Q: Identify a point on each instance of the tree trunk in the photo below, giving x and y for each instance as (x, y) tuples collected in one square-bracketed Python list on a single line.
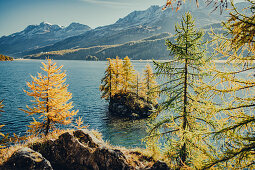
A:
[(183, 152)]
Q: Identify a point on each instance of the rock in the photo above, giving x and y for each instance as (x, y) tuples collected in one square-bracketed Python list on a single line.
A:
[(85, 136), (26, 158), (81, 151), (110, 159), (159, 165), (130, 106)]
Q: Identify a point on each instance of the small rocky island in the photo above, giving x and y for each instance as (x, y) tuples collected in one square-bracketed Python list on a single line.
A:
[(131, 106), (79, 149), (5, 58), (129, 95)]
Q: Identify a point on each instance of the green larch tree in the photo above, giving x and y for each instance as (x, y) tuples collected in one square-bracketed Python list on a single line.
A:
[(180, 119), (234, 82), (50, 99)]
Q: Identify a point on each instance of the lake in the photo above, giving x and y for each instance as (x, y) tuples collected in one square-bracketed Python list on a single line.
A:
[(84, 78)]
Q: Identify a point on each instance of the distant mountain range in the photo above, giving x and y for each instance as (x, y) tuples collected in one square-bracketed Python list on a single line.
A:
[(37, 36), (140, 35)]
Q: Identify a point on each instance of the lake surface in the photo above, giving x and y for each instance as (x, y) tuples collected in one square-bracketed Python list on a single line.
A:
[(84, 78)]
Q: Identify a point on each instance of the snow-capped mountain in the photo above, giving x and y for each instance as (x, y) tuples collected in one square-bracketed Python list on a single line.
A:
[(135, 26), (35, 36)]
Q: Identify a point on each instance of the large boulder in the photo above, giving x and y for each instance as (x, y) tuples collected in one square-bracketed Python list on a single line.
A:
[(159, 165), (26, 158), (130, 106), (81, 151)]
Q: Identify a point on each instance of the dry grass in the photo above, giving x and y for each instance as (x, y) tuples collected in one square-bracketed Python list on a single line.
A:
[(136, 157), (29, 141)]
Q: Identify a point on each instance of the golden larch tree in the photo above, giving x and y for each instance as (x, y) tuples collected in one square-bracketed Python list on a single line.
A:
[(128, 75), (106, 86), (149, 84), (118, 72), (1, 134), (50, 99)]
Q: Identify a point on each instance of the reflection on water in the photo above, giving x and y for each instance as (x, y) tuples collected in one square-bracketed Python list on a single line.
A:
[(83, 78)]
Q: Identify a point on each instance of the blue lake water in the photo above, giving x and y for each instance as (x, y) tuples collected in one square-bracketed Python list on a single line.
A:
[(84, 78)]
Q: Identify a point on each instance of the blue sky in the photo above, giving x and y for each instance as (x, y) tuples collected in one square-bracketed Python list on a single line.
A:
[(15, 15)]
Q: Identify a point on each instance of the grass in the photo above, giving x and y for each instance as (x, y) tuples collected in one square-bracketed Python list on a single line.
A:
[(136, 157)]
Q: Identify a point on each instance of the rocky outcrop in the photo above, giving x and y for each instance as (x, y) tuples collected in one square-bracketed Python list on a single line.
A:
[(78, 150), (160, 166), (81, 151), (130, 106), (26, 158)]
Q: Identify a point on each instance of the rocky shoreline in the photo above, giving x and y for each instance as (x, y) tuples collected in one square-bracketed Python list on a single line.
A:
[(78, 150)]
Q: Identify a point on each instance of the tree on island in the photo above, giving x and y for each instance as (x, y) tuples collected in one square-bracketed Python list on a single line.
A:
[(117, 75), (124, 89), (106, 86), (179, 118), (50, 99), (149, 85), (128, 76)]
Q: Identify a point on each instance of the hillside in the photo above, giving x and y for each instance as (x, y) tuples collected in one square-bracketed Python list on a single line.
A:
[(135, 26), (148, 48)]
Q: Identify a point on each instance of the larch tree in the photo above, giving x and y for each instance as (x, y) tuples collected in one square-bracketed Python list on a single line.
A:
[(107, 82), (180, 119), (128, 75), (234, 82), (149, 84), (1, 134), (50, 99), (118, 72), (138, 85)]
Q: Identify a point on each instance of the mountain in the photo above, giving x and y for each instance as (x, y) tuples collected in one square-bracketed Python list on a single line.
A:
[(35, 36), (135, 26), (148, 48)]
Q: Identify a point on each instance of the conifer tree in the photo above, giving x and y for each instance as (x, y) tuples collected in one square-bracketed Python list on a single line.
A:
[(138, 84), (117, 72), (1, 106), (128, 75), (149, 84), (179, 118), (50, 99), (107, 81), (234, 82)]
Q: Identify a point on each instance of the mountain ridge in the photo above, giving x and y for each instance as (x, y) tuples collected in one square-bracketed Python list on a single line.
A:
[(35, 36), (135, 26)]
